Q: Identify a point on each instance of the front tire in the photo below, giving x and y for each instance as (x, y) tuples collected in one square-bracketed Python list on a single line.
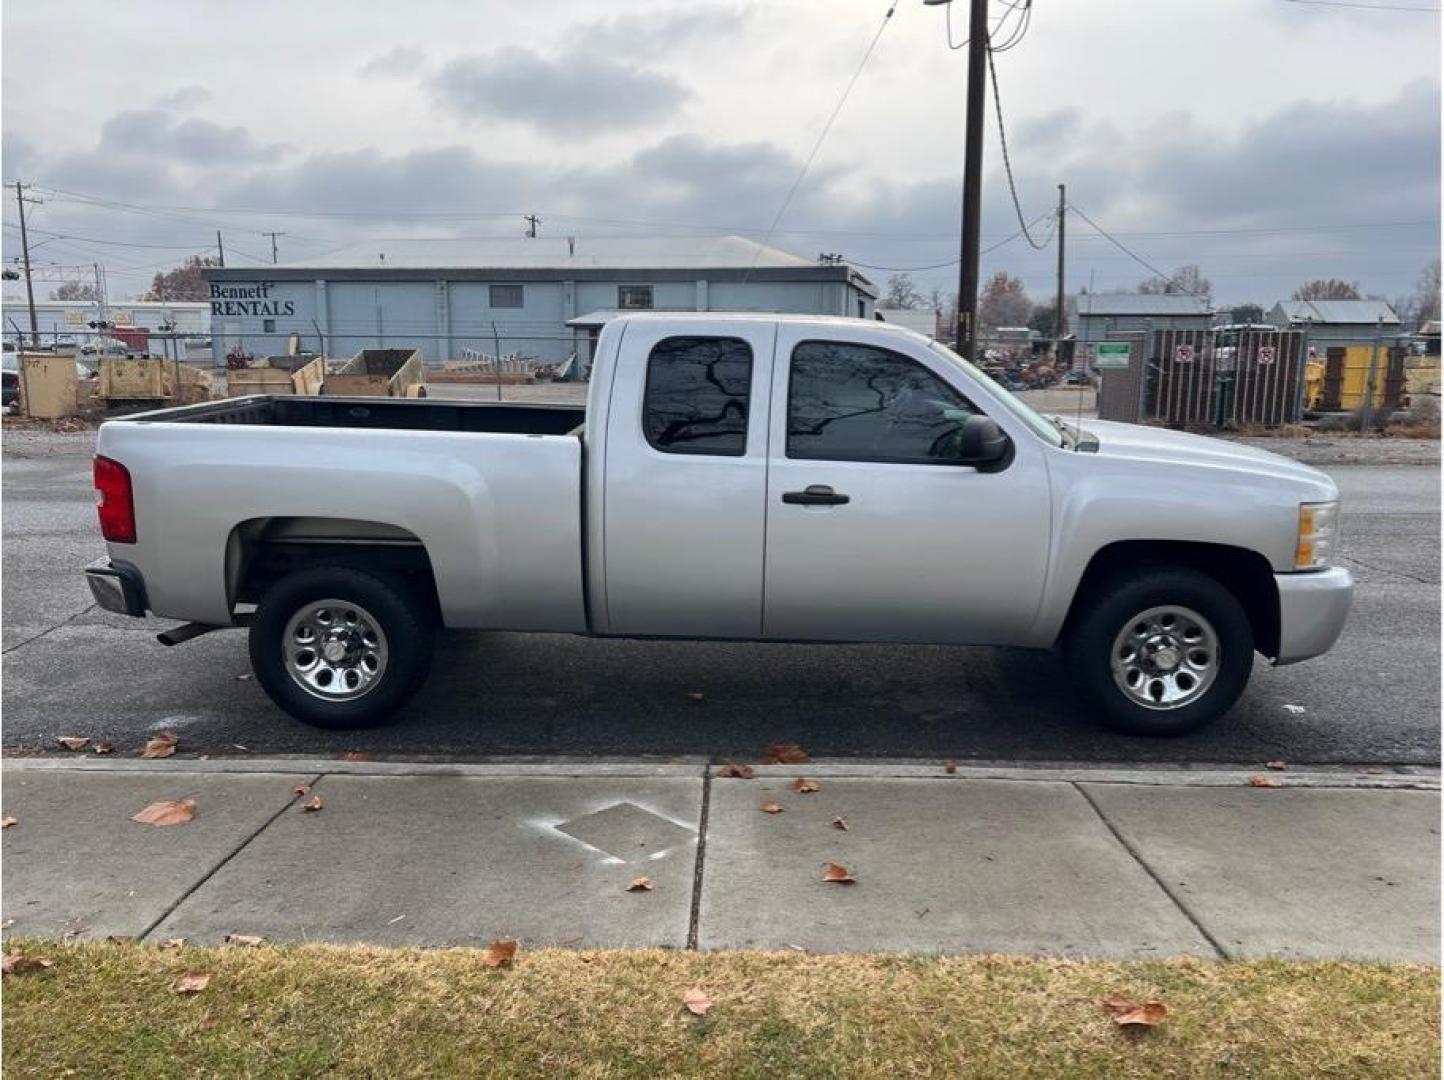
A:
[(1163, 651), (341, 647)]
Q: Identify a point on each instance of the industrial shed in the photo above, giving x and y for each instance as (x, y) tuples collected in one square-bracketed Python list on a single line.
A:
[(454, 298), (1337, 322), (1103, 315)]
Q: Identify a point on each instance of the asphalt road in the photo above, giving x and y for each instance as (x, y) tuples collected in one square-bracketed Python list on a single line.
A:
[(69, 668)]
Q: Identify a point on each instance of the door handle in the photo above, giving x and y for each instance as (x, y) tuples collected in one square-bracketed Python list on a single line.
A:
[(815, 495)]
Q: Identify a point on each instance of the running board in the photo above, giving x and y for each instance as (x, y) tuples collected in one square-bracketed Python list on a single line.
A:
[(179, 635)]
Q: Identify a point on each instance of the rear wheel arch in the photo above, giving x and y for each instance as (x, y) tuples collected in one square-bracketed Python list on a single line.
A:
[(1245, 573), (261, 551)]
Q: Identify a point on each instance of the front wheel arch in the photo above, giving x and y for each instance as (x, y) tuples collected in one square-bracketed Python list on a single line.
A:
[(1243, 572)]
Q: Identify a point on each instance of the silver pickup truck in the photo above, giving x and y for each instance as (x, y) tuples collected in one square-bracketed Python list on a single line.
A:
[(738, 477)]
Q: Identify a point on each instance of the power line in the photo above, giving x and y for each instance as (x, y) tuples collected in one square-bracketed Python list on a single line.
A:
[(1366, 7), (951, 262), (1007, 164), (1120, 246), (822, 136)]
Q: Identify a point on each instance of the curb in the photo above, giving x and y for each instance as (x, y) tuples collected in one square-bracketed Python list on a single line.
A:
[(1416, 778)]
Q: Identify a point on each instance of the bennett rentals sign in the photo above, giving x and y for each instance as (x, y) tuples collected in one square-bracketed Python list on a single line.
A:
[(248, 300)]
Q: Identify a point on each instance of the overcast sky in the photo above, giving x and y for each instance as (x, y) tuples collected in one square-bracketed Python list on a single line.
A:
[(1269, 141)]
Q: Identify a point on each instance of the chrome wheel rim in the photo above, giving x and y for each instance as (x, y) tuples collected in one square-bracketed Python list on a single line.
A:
[(1165, 658), (335, 650)]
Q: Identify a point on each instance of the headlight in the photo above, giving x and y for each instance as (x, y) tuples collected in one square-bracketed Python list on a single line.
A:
[(1318, 528)]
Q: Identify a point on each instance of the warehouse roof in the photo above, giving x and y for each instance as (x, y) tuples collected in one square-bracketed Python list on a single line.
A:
[(1338, 311), (1160, 305), (555, 253)]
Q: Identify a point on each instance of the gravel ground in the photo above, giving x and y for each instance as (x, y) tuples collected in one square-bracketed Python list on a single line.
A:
[(1321, 450)]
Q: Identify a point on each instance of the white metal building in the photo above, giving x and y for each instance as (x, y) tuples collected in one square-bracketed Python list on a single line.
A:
[(511, 295), (67, 322)]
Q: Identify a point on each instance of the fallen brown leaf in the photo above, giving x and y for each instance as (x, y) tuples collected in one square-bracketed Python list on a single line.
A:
[(16, 961), (192, 982), (695, 695), (734, 771), (697, 1001), (1372, 772), (785, 754), (1127, 1013), (161, 746), (173, 943), (7, 821), (1278, 766), (499, 954), (839, 875), (167, 812), (950, 768), (244, 939), (355, 755), (104, 747), (771, 808), (641, 884), (312, 804), (1264, 781), (301, 789), (73, 742), (805, 787), (840, 823)]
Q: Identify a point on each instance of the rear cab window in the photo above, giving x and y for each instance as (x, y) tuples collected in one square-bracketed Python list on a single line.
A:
[(697, 396)]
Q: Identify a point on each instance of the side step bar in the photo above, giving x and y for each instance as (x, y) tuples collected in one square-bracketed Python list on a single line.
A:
[(179, 635)]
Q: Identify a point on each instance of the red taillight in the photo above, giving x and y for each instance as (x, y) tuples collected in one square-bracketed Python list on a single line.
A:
[(116, 502)]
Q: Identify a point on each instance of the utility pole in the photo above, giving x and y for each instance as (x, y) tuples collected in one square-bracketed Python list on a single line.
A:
[(532, 221), (220, 248), (25, 251), (273, 236), (973, 180), (1060, 322)]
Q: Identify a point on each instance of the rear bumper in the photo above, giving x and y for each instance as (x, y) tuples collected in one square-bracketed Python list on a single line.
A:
[(1312, 610), (116, 586)]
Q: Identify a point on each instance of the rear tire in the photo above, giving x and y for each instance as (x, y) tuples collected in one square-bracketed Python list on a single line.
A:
[(341, 647), (1162, 651)]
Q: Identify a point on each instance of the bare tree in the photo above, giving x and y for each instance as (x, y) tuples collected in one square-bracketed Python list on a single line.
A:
[(901, 293), (75, 290), (184, 282), (1188, 280), (1424, 304), (1328, 289), (1004, 302)]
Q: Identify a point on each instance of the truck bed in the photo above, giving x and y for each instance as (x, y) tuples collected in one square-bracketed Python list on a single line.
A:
[(406, 414)]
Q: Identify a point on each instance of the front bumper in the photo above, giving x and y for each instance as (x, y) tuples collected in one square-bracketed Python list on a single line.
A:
[(1312, 609), (116, 586)]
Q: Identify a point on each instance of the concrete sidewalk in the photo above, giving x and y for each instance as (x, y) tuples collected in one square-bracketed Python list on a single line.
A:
[(1088, 861)]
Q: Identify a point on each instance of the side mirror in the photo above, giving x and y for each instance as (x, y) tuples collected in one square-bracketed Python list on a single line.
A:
[(981, 442)]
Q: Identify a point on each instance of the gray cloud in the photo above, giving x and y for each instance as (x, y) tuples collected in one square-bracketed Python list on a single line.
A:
[(191, 141), (1307, 164), (399, 61), (645, 35), (183, 97), (571, 94)]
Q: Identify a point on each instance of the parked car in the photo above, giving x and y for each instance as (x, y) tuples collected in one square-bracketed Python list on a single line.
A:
[(879, 485), (10, 386), (1078, 378)]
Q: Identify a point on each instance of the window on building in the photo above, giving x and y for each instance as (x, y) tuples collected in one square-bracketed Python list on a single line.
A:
[(697, 394), (507, 296), (634, 297), (849, 402), (268, 326)]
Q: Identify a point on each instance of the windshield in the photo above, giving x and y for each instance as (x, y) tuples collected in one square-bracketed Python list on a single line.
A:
[(1040, 426)]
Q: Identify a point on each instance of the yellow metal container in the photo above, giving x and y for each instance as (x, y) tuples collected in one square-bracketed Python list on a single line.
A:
[(48, 385), (1346, 377)]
